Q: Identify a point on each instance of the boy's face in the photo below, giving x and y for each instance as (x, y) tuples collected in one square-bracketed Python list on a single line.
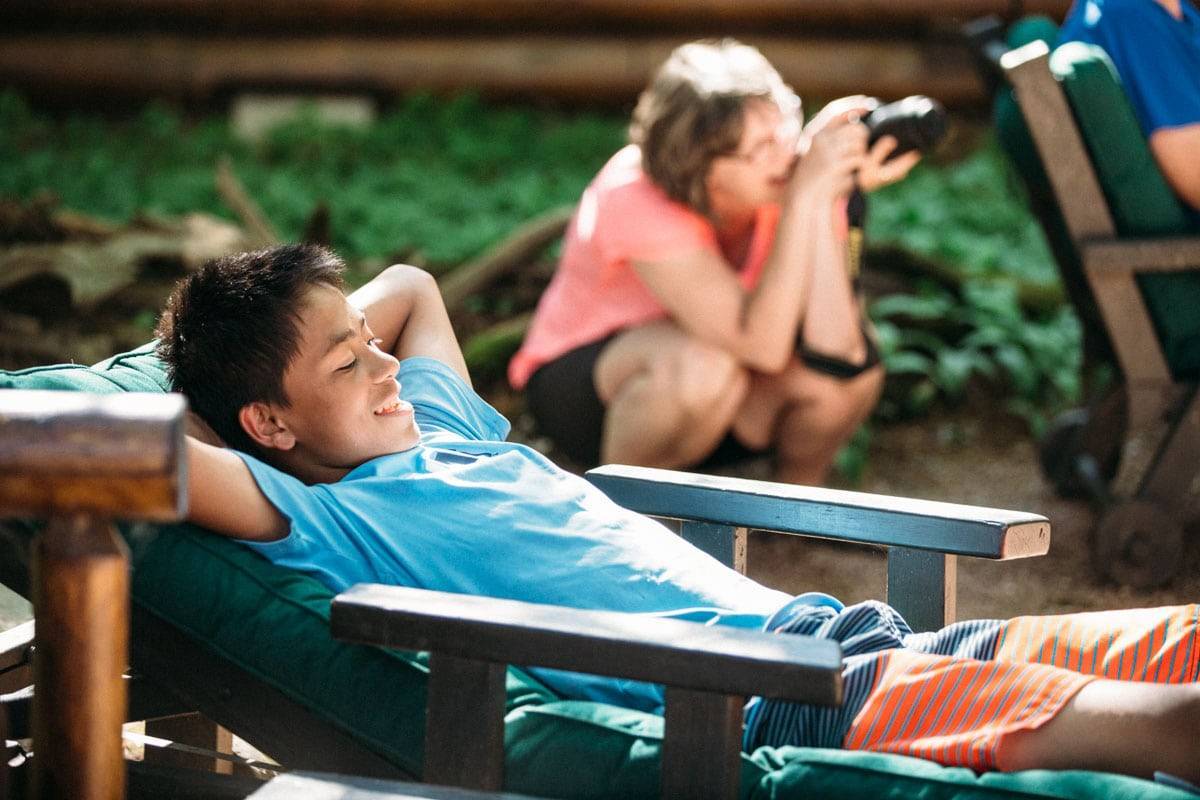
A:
[(345, 399)]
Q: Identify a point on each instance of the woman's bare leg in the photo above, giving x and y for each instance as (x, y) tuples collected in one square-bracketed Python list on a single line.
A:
[(1116, 726), (808, 415), (669, 398)]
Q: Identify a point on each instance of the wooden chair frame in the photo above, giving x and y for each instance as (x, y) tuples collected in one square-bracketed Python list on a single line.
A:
[(1163, 415), (708, 676)]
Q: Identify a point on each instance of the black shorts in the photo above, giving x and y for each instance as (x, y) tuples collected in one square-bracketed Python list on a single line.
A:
[(562, 397)]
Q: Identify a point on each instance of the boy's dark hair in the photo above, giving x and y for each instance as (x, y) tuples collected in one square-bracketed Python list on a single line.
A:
[(229, 330)]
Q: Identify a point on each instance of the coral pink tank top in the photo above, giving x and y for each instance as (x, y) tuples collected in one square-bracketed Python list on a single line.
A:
[(623, 217)]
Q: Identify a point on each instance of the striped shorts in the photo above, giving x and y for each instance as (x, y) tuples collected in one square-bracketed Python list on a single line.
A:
[(952, 695)]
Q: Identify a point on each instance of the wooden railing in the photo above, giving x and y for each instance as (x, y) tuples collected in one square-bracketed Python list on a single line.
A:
[(586, 51)]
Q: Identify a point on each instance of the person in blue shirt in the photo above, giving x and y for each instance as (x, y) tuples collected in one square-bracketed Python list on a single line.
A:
[(1155, 47), (359, 452)]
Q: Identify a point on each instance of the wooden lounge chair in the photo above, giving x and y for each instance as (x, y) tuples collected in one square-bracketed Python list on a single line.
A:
[(1130, 255), (218, 629)]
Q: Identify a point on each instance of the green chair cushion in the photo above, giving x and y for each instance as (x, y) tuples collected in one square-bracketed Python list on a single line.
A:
[(1141, 202), (273, 623)]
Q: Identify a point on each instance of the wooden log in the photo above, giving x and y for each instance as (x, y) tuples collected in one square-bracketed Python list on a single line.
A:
[(521, 246), (259, 231), (119, 456), (81, 598), (583, 69), (487, 353), (396, 15)]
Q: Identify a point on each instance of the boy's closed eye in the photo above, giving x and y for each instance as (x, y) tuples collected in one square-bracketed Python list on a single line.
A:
[(371, 342)]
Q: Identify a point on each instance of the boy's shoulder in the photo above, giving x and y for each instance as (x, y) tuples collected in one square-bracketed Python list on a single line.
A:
[(443, 401)]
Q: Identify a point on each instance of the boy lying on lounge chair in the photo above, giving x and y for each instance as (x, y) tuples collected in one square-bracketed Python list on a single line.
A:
[(363, 455)]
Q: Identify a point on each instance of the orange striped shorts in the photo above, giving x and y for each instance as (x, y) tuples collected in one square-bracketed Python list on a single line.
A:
[(956, 711)]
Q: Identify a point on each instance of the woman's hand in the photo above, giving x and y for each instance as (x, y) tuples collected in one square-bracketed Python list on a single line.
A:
[(877, 171), (856, 106), (834, 156)]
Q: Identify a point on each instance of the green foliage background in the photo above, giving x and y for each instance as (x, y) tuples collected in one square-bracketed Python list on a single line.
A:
[(447, 178)]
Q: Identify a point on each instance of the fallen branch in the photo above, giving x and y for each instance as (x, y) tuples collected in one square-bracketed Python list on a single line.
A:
[(1035, 298), (259, 232), (518, 249), (487, 352)]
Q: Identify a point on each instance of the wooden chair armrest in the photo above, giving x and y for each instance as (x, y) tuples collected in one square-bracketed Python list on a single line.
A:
[(709, 672), (16, 657), (827, 513), (1128, 256), (329, 786), (115, 456), (710, 658), (923, 538)]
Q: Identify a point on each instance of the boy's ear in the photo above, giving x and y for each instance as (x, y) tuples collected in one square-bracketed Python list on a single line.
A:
[(264, 427)]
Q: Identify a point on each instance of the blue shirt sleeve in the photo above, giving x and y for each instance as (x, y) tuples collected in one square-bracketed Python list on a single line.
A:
[(315, 543), (1156, 56), (443, 401)]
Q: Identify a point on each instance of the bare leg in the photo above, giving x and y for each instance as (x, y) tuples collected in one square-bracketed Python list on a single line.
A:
[(669, 398), (1116, 726), (808, 415)]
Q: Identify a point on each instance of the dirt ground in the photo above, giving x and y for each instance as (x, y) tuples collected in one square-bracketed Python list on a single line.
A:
[(982, 458)]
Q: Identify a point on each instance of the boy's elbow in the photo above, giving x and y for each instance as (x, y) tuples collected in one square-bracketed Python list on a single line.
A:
[(408, 275)]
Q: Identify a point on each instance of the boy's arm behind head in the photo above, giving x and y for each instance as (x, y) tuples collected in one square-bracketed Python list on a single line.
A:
[(200, 430), (404, 308), (224, 497)]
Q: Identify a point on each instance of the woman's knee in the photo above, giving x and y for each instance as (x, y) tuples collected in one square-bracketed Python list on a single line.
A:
[(702, 377), (833, 408)]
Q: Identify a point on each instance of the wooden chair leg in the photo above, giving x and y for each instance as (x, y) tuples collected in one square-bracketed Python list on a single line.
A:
[(701, 755), (193, 729), (81, 599), (3, 752), (464, 725), (923, 586)]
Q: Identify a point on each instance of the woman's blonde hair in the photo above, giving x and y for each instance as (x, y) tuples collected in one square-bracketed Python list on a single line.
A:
[(692, 112)]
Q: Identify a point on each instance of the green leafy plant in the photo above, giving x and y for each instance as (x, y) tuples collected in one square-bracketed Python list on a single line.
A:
[(439, 180)]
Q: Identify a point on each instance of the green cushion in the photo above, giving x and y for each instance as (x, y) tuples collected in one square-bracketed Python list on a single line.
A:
[(273, 622), (136, 371), (1141, 202)]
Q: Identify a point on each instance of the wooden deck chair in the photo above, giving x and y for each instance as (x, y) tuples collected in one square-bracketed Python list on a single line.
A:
[(1129, 247), (218, 629)]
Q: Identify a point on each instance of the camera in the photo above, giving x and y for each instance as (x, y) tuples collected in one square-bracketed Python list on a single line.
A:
[(917, 122)]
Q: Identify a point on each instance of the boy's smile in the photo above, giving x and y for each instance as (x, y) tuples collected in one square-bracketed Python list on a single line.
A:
[(344, 400)]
